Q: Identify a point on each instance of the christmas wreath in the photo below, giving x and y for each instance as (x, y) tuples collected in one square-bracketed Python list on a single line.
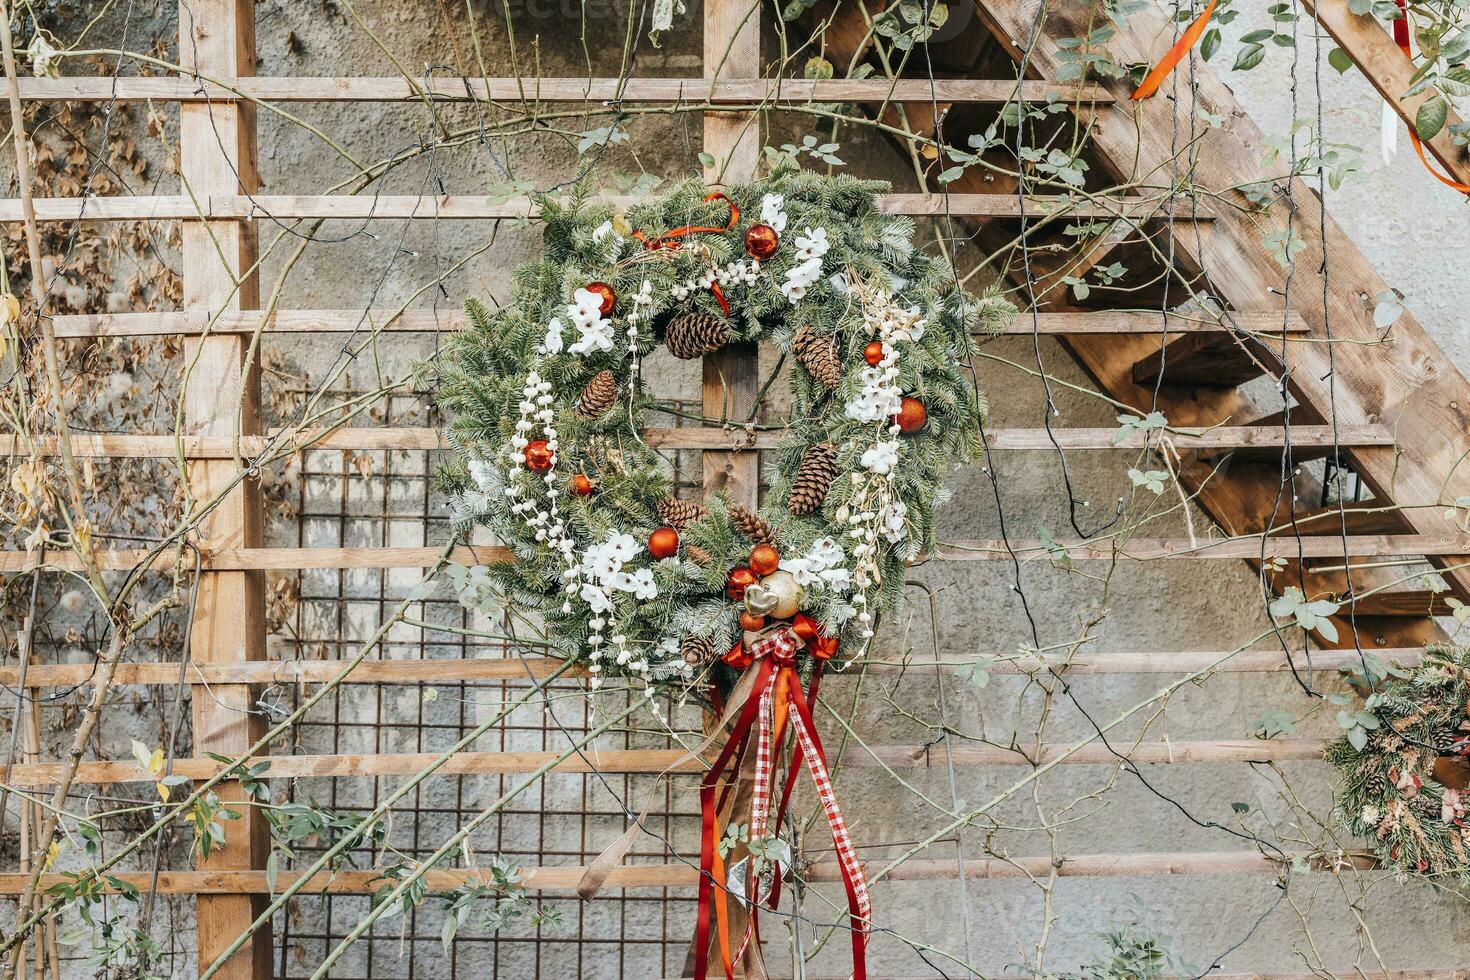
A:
[(545, 401), (1404, 768)]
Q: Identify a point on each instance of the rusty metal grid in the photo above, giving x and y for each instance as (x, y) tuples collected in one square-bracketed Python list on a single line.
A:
[(387, 498)]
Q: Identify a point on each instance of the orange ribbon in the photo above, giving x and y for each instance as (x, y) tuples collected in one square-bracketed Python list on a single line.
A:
[(675, 238), (1155, 78), (1401, 38)]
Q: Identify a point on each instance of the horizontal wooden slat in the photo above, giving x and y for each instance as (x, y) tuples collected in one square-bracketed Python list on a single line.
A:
[(179, 207), (700, 91), (1136, 549), (687, 875), (691, 437), (661, 760), (441, 671), (435, 321)]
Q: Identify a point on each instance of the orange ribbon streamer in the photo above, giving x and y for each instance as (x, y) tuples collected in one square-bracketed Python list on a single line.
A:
[(1401, 38), (1155, 78), (675, 238)]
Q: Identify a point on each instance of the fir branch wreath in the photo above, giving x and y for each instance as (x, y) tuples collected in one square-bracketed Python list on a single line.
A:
[(545, 399), (1404, 774)]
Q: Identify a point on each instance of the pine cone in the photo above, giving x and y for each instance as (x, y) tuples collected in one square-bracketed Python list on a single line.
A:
[(698, 555), (679, 514), (817, 352), (813, 479), (598, 396), (697, 650), (752, 525), (692, 334), (1375, 782)]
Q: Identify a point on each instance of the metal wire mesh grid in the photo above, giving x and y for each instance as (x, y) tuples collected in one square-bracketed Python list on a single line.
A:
[(387, 498)]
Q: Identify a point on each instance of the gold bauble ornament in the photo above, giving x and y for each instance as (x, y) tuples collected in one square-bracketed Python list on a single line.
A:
[(787, 592)]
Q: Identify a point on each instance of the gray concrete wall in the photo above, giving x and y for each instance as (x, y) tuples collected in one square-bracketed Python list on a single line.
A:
[(1405, 222)]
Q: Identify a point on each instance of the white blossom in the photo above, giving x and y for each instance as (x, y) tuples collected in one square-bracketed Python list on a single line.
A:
[(772, 211), (894, 521), (596, 598), (553, 343), (882, 458)]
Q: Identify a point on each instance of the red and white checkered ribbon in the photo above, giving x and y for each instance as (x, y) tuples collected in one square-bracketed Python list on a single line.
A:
[(846, 853), (782, 645)]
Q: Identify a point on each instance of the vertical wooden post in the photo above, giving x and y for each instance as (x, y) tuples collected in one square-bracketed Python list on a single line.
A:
[(217, 156), (732, 375)]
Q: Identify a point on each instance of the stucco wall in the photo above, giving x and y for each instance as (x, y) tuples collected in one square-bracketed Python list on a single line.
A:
[(1405, 222)]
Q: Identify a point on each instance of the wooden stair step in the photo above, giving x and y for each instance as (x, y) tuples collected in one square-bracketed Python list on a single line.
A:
[(1206, 361)]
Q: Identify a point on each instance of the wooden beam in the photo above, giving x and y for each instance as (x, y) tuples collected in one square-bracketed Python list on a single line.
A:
[(311, 322), (696, 91), (1200, 360), (976, 549), (1359, 383), (636, 761), (486, 670), (471, 207), (1379, 59), (350, 882), (221, 398), (369, 439)]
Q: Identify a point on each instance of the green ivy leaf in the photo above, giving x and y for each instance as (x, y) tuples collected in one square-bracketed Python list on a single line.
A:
[(1249, 56), (1431, 117), (1339, 59)]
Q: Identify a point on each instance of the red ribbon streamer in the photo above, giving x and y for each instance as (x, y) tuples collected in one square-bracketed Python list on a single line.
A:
[(1401, 38), (1155, 77), (776, 699), (676, 237)]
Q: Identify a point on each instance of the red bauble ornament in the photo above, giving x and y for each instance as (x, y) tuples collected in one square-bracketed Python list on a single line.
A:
[(580, 485), (805, 628), (912, 416), (873, 353), (609, 298), (764, 559), (824, 648), (751, 623), (663, 543), (740, 579), (539, 456), (738, 657), (761, 242)]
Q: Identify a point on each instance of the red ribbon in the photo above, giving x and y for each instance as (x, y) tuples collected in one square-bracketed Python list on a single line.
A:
[(1401, 38), (676, 237), (1155, 78), (775, 700)]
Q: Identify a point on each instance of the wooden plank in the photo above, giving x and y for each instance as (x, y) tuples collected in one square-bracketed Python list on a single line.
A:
[(311, 322), (479, 669), (222, 392), (443, 671), (408, 438), (469, 207), (566, 878), (636, 761), (730, 387), (1412, 602), (977, 549), (698, 91), (1379, 59), (1409, 384), (1206, 361)]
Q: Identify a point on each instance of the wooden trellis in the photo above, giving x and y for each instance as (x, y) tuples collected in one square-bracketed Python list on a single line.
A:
[(1404, 444)]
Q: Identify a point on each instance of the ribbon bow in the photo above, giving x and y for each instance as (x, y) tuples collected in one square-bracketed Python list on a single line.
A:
[(775, 701), (676, 237)]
